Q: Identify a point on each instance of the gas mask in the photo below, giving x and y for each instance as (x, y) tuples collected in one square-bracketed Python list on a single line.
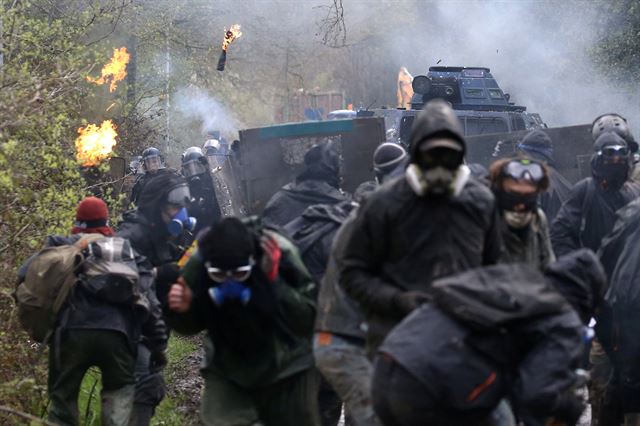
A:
[(438, 180), (230, 284), (181, 222)]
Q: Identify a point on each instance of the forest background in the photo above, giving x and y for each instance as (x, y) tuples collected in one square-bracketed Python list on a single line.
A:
[(567, 60)]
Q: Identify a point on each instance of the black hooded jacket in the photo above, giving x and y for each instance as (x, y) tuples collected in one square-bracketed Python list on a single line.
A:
[(496, 332), (319, 183), (618, 323), (403, 242)]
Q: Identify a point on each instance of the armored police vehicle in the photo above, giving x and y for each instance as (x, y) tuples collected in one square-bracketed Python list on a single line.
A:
[(479, 102)]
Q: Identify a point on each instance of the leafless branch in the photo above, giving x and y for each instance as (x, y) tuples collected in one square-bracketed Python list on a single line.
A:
[(332, 28)]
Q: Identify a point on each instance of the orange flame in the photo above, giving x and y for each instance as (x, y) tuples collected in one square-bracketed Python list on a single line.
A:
[(230, 35), (115, 70), (94, 143)]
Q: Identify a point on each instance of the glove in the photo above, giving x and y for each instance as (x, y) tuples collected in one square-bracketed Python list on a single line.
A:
[(271, 257), (407, 301), (157, 361), (568, 408), (166, 275)]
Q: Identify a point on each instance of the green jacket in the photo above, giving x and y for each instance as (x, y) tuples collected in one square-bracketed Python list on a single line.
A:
[(268, 339)]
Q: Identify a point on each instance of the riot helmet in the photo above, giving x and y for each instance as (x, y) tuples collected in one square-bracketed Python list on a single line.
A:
[(194, 162), (615, 123), (212, 150), (152, 160)]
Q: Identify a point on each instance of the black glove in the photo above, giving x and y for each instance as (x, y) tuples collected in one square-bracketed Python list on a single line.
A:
[(407, 301), (568, 408), (157, 361), (166, 275)]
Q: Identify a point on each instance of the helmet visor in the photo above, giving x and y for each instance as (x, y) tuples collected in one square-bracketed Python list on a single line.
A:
[(153, 163), (179, 195), (193, 168)]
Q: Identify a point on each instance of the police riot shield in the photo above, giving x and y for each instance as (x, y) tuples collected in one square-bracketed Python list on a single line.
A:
[(267, 158)]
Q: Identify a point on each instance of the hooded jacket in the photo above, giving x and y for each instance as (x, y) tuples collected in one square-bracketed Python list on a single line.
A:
[(495, 332), (402, 242), (265, 341), (294, 198), (538, 145), (618, 321)]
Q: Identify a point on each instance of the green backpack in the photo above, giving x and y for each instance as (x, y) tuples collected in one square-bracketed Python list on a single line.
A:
[(50, 277)]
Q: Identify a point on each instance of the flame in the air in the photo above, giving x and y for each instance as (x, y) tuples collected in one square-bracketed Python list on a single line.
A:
[(230, 35), (115, 70), (94, 143)]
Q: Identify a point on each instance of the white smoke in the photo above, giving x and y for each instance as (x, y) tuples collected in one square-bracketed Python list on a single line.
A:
[(199, 108)]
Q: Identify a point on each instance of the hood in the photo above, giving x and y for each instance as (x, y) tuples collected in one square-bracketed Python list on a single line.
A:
[(322, 162), (329, 212), (537, 144), (314, 192), (491, 297), (580, 278), (608, 139), (156, 189), (436, 119)]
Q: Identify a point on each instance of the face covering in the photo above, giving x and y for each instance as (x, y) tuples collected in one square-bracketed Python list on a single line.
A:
[(438, 180), (615, 174), (518, 220), (230, 290), (181, 222), (508, 201)]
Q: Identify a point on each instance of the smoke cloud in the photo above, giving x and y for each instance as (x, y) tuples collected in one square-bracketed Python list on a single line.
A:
[(198, 108)]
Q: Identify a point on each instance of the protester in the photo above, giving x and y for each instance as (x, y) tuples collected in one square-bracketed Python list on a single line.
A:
[(617, 322), (538, 146), (319, 183), (517, 184), (95, 328), (253, 296), (434, 222), (160, 229), (504, 331), (589, 212)]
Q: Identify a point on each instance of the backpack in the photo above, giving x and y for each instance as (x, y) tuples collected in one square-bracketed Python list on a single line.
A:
[(109, 271), (49, 279), (103, 266)]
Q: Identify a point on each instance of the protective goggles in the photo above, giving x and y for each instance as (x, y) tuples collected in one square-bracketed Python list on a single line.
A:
[(179, 195), (241, 273), (193, 168), (524, 169), (440, 157), (614, 151)]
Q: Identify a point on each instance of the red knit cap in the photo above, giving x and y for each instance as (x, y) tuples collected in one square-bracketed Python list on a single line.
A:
[(92, 215)]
